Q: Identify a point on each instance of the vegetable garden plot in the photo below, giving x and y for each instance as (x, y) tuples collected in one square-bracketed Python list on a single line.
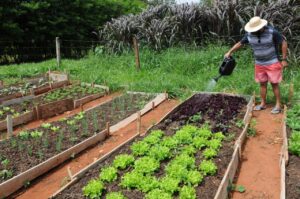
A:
[(184, 156), (30, 148), (291, 188), (50, 104), (33, 86)]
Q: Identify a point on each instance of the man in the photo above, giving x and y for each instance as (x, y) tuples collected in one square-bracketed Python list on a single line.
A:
[(264, 41)]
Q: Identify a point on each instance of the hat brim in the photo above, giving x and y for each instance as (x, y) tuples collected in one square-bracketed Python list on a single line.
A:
[(257, 28)]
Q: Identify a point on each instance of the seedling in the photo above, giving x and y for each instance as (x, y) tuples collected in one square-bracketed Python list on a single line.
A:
[(239, 123), (55, 128), (146, 165), (46, 125)]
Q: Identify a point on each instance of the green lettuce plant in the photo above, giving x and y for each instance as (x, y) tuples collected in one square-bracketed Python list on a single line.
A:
[(187, 192), (93, 189), (159, 152), (210, 153), (115, 195), (123, 161), (140, 148), (108, 174), (294, 143), (169, 184), (158, 194), (208, 167), (146, 165)]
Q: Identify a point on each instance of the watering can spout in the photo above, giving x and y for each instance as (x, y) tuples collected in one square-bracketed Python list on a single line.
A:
[(217, 78)]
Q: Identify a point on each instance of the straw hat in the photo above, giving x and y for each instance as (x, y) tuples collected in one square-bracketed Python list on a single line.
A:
[(255, 24)]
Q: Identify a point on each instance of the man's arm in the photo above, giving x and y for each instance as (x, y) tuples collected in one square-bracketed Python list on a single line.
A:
[(284, 47), (233, 49)]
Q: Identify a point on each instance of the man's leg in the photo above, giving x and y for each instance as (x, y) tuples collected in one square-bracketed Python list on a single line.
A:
[(263, 93), (276, 91)]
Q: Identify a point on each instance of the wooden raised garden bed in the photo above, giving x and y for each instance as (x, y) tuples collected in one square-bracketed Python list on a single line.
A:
[(33, 87), (290, 154), (49, 104), (33, 153), (180, 156)]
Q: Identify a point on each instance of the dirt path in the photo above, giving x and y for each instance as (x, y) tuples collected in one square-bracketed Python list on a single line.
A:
[(87, 106), (260, 172), (51, 182)]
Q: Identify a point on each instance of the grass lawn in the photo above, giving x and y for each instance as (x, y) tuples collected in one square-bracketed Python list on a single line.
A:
[(178, 71)]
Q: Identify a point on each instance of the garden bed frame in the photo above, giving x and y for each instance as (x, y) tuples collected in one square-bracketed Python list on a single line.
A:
[(12, 185), (51, 109), (59, 80), (222, 192), (284, 156)]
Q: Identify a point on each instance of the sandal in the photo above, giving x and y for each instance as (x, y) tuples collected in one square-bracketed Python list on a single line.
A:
[(259, 108), (276, 110)]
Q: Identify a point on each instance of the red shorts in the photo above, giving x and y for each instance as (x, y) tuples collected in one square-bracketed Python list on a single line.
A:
[(271, 73)]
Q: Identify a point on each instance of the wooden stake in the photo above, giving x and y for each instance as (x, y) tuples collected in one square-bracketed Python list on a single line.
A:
[(37, 112), (50, 84), (1, 83), (9, 121), (254, 98), (58, 57), (93, 84), (32, 91), (291, 93), (107, 128), (70, 173), (81, 107), (136, 52), (139, 122), (153, 105)]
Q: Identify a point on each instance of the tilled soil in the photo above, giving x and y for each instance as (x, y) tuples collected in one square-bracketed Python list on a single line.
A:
[(210, 106), (54, 95), (292, 182), (24, 153)]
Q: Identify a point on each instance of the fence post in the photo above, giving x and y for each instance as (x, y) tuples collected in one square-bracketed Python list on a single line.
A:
[(139, 121), (136, 52), (9, 126), (58, 57)]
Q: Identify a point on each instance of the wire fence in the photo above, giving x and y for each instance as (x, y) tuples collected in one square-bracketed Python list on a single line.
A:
[(31, 51)]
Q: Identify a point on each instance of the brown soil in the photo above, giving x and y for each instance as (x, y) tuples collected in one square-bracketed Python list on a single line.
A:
[(50, 183), (75, 92), (27, 152), (210, 108), (292, 175), (259, 172), (87, 106), (293, 178)]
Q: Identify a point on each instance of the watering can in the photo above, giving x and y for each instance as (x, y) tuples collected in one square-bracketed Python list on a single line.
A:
[(226, 67)]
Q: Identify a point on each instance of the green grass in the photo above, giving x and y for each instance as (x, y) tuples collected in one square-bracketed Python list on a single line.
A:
[(178, 71)]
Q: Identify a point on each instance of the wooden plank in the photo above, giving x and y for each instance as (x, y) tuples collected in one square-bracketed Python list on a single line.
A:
[(222, 192), (9, 125), (17, 100), (55, 108), (11, 96), (106, 88), (285, 151), (84, 100), (22, 119), (42, 89), (282, 180)]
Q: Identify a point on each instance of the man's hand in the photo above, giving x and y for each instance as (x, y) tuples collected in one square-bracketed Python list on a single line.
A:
[(227, 55), (284, 64)]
